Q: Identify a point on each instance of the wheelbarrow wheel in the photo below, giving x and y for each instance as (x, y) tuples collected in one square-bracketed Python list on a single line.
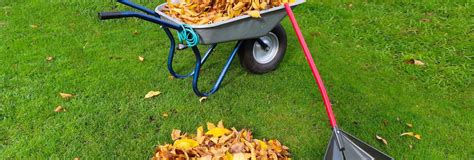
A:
[(258, 59)]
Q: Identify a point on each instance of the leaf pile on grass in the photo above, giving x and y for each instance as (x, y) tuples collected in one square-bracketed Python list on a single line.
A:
[(220, 143)]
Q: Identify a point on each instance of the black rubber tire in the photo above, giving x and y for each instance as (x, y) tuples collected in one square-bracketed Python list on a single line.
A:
[(247, 59)]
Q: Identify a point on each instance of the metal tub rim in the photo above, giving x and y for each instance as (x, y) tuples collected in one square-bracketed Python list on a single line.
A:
[(207, 26)]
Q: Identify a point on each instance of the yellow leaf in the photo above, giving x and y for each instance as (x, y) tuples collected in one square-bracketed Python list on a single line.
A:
[(210, 126), (34, 26), (407, 134), (238, 6), (218, 132), (49, 58), (66, 95), (199, 131), (185, 144), (141, 59), (165, 115), (381, 139), (254, 14), (409, 125), (255, 5), (59, 109), (417, 136), (220, 124), (228, 156), (152, 94), (262, 144), (263, 5)]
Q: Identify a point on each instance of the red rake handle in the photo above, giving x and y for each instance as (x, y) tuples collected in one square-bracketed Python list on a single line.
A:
[(310, 61)]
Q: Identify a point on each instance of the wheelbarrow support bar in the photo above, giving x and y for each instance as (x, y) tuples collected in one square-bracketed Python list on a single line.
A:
[(154, 19)]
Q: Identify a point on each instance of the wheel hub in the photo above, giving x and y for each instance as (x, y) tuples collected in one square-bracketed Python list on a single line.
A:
[(265, 55)]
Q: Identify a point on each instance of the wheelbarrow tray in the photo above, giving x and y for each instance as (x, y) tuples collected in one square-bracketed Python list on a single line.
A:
[(238, 28)]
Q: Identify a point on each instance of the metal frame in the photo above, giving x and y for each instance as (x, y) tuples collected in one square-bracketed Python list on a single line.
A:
[(153, 17)]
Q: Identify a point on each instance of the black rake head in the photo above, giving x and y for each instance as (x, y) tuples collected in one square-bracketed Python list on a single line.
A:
[(344, 146)]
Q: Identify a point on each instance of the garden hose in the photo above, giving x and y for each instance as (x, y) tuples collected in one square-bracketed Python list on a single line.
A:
[(188, 35)]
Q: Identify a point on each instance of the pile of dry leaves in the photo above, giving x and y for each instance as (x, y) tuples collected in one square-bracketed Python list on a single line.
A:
[(212, 11), (219, 143)]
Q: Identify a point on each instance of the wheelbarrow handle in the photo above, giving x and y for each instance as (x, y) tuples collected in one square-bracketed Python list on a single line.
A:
[(138, 7), (114, 15), (110, 15)]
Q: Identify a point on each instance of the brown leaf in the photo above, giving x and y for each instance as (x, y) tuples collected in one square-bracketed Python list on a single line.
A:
[(176, 134), (66, 95), (141, 59), (237, 147), (135, 32), (59, 109), (415, 62), (152, 94), (381, 139)]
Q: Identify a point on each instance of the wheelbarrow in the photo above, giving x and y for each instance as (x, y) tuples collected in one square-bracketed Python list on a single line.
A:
[(261, 43)]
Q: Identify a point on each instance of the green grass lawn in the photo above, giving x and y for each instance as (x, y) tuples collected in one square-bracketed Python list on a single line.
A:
[(360, 50)]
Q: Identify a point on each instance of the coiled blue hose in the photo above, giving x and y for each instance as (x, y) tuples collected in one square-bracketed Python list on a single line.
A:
[(188, 35)]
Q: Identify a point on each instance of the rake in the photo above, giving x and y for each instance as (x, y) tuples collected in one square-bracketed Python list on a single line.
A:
[(342, 146)]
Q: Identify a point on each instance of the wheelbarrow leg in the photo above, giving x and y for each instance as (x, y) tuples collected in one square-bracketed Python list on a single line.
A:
[(221, 76), (173, 51)]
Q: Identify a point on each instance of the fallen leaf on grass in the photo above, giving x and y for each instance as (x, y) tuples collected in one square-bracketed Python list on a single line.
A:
[(34, 26), (141, 59), (152, 94), (49, 58), (170, 77), (135, 32), (425, 20), (417, 136), (407, 134), (66, 95), (59, 109), (381, 139), (165, 115), (415, 62), (202, 99), (409, 125), (77, 158)]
